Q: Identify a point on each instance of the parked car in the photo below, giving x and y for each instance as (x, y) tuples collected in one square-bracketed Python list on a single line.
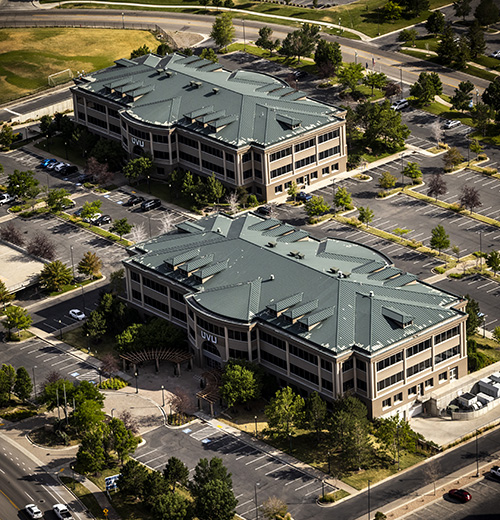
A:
[(46, 162), (5, 198), (460, 494), (52, 165), (77, 314), (304, 197), (150, 204), (299, 74), (62, 512), (495, 472), (33, 511), (93, 219), (69, 169), (78, 212), (400, 104), (134, 200), (451, 123), (101, 221), (264, 211), (60, 167), (495, 54), (68, 203)]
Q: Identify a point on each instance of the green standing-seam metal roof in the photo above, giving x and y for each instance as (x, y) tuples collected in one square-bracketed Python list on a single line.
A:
[(251, 278), (238, 108)]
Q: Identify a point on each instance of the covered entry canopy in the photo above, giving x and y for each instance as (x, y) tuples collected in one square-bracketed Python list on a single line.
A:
[(174, 355)]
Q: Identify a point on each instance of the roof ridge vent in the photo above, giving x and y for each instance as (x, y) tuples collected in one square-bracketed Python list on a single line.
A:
[(339, 274), (215, 90)]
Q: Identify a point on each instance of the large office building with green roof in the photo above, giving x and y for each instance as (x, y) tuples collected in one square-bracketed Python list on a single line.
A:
[(320, 315), (249, 129)]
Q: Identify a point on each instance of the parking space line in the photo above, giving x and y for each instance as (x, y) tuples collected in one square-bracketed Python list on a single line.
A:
[(246, 454), (491, 290), (314, 491), (48, 359), (305, 485), (255, 460), (264, 465), (276, 469), (156, 458)]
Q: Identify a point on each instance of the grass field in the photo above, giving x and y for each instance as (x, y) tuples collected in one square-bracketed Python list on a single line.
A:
[(28, 56)]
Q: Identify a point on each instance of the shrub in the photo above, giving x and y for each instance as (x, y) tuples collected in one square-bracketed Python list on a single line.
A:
[(16, 209), (18, 415), (113, 383)]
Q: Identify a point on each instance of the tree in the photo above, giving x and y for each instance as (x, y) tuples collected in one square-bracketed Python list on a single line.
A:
[(16, 318), (6, 135), (12, 234), (121, 227), (209, 54), (109, 154), (462, 98), (53, 392), (436, 186), (487, 12), (95, 326), (214, 189), (285, 412), (342, 198), (207, 471), (5, 295), (90, 209), (493, 261), (124, 441), (452, 158), (98, 172), (164, 48), (414, 7), (138, 167), (413, 171), (90, 265), (170, 506), (176, 471), (264, 40), (86, 391), (140, 51), (392, 89), (491, 95), (469, 198), (57, 199), (301, 42), (91, 455), (55, 276), (316, 206), (475, 318), (475, 39), (316, 413), (408, 36), (365, 215), (496, 334), (293, 190), (139, 233), (23, 385), (19, 183), (41, 246), (328, 57), (239, 384), (132, 479), (375, 80), (117, 281), (87, 416), (273, 508), (440, 239), (481, 115), (217, 502), (223, 30), (387, 181), (462, 8), (435, 23), (447, 47), (395, 434), (127, 338), (391, 11), (426, 88), (350, 75), (8, 379), (462, 55), (437, 131), (475, 147)]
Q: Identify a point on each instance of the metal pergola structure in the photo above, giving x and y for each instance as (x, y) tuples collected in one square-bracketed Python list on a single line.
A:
[(210, 393), (173, 355)]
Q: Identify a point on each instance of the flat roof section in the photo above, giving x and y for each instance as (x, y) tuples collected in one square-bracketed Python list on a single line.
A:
[(17, 268)]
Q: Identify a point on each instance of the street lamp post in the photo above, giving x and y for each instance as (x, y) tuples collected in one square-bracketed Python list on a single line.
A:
[(402, 168), (477, 455), (112, 412), (163, 395), (256, 502), (369, 505), (136, 384), (66, 148), (123, 21), (244, 38), (83, 300), (149, 184), (255, 418), (34, 382), (60, 329), (72, 263)]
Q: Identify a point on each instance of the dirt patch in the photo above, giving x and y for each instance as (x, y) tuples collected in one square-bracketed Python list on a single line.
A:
[(182, 39)]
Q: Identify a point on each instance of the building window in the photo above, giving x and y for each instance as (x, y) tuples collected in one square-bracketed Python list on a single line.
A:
[(138, 133), (398, 397), (419, 367), (278, 189), (314, 175), (209, 165), (154, 285), (443, 376), (362, 385), (326, 365), (187, 141), (216, 152), (348, 385), (389, 381), (412, 391), (177, 296), (348, 365), (181, 316), (304, 374), (237, 335), (328, 136), (246, 157), (135, 277), (136, 295), (419, 347), (257, 173), (305, 161), (230, 174), (305, 144), (325, 170), (238, 354), (303, 354), (272, 340), (447, 334), (114, 128), (97, 122), (279, 155), (447, 354), (210, 327), (328, 153), (429, 383), (360, 365), (281, 171), (151, 302), (157, 138), (389, 361), (160, 154), (189, 158), (386, 403), (327, 385), (247, 174), (274, 360)]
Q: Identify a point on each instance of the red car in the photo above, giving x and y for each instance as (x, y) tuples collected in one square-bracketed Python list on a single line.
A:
[(460, 494)]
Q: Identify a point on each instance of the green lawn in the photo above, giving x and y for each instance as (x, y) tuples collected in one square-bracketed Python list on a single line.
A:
[(85, 496), (28, 56)]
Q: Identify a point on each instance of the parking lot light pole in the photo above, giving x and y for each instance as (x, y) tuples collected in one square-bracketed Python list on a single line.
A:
[(255, 419), (163, 395), (72, 262), (256, 501), (136, 384), (369, 508), (123, 21), (60, 330), (112, 412), (477, 455), (34, 381)]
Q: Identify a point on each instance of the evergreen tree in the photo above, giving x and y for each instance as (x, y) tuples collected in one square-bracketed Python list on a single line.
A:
[(328, 57), (426, 88), (475, 318), (217, 502), (265, 41), (462, 8), (475, 38), (91, 457), (90, 265), (175, 471), (487, 12), (5, 295), (447, 47), (8, 379), (301, 42), (23, 385), (171, 506), (462, 98), (435, 23), (95, 326), (132, 479), (440, 239)]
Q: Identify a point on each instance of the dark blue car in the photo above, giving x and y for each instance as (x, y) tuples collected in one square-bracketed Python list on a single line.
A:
[(303, 196), (46, 162)]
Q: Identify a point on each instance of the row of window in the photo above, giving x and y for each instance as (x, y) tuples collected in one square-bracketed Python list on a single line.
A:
[(96, 106), (419, 367), (277, 172), (305, 161), (272, 359), (305, 144), (238, 354), (447, 354), (419, 347), (216, 168), (210, 327), (238, 335), (177, 296), (389, 381), (151, 302), (447, 334), (304, 374), (389, 361), (158, 287), (97, 122), (189, 158), (328, 136), (303, 354), (280, 154), (216, 152), (181, 316), (187, 141), (328, 153), (272, 340), (138, 133)]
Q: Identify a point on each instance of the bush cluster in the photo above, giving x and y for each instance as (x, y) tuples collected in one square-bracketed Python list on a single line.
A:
[(113, 383)]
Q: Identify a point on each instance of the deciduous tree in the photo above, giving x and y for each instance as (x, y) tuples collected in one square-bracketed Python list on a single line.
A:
[(265, 41), (95, 326), (435, 23), (413, 171), (209, 54), (316, 206), (87, 416), (328, 57), (91, 455), (469, 198), (138, 167), (132, 479), (391, 11), (440, 239), (301, 42), (462, 8), (436, 186), (121, 227), (140, 51), (395, 434), (365, 215), (493, 261), (285, 412), (426, 88), (171, 506), (90, 265), (316, 413), (222, 30), (387, 181), (239, 384), (375, 80), (90, 209), (123, 440), (12, 234), (6, 296), (16, 318), (452, 158), (350, 75), (487, 12), (55, 276), (57, 199), (8, 378), (342, 198), (19, 183), (481, 115)]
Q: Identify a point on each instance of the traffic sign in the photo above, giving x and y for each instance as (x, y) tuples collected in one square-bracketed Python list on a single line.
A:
[(111, 482)]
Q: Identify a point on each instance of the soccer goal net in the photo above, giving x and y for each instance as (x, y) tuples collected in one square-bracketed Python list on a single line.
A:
[(60, 77)]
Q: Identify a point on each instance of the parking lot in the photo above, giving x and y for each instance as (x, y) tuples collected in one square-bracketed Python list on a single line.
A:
[(40, 359), (253, 471)]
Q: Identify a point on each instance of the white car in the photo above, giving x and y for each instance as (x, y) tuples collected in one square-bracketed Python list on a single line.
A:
[(52, 166), (399, 105), (93, 218), (451, 123), (60, 166), (77, 314), (495, 54), (33, 511), (62, 512), (6, 198), (495, 472)]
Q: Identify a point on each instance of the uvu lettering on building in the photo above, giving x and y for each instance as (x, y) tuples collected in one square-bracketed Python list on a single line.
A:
[(209, 337), (138, 142)]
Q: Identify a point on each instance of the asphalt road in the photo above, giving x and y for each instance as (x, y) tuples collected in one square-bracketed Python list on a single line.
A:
[(23, 482)]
